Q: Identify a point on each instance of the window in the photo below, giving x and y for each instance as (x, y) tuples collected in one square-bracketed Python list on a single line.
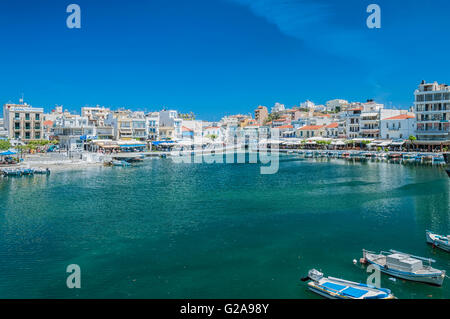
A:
[(27, 135), (27, 116), (17, 135), (27, 126), (37, 117), (37, 136), (17, 126)]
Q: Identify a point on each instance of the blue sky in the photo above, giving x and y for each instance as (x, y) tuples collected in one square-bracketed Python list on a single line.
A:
[(218, 57)]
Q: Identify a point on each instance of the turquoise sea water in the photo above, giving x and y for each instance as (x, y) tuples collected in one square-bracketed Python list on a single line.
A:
[(167, 230)]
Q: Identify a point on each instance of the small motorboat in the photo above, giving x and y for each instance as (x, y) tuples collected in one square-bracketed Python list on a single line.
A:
[(438, 241), (42, 171), (27, 171), (334, 288), (11, 172), (405, 266), (120, 163)]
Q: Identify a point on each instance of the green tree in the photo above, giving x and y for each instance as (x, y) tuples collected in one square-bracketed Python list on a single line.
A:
[(273, 117), (5, 145), (212, 136), (412, 138)]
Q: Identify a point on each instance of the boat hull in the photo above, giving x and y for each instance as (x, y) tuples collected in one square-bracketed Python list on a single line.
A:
[(432, 240), (435, 280)]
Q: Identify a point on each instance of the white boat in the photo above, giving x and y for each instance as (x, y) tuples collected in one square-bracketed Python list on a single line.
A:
[(334, 288), (405, 266), (438, 241)]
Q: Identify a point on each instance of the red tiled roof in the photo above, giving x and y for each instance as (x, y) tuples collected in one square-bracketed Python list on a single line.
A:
[(286, 126), (332, 125), (185, 129), (48, 123), (401, 117), (322, 115), (311, 127)]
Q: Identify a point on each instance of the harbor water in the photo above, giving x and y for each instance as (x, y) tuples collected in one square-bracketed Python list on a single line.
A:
[(162, 229)]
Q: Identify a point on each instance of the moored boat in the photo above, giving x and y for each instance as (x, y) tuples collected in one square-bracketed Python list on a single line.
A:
[(438, 241), (27, 171), (11, 172), (42, 171), (335, 288), (405, 266), (120, 163)]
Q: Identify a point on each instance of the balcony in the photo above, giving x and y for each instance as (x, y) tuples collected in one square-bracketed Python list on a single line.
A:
[(432, 132)]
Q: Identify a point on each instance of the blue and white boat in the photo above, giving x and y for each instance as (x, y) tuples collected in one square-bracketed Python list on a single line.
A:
[(11, 172), (405, 266), (120, 163), (334, 288), (438, 241)]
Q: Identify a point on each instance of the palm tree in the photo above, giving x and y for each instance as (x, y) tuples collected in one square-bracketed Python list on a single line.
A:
[(412, 138)]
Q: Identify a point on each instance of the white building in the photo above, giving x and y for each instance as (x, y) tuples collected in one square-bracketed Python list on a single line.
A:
[(96, 115), (278, 107), (3, 131), (308, 105), (152, 126), (398, 127), (336, 105), (169, 120), (73, 131), (432, 107)]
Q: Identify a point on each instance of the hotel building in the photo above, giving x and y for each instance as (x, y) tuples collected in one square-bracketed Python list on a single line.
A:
[(23, 122), (432, 106)]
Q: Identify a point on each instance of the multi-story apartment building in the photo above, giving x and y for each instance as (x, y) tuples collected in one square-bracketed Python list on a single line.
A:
[(152, 126), (432, 107), (121, 122), (96, 115), (139, 126), (169, 119), (278, 107), (3, 131), (261, 115), (23, 122), (73, 131), (352, 121), (336, 105)]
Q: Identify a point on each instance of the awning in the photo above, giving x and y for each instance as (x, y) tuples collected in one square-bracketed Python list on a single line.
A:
[(157, 143), (7, 153), (387, 143), (132, 145), (398, 143)]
